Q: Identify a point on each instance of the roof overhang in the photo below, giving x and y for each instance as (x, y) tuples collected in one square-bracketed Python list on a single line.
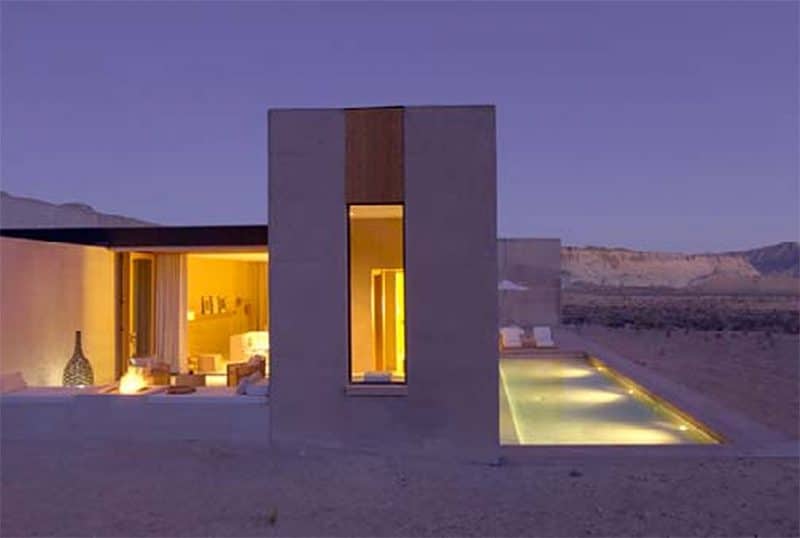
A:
[(153, 237)]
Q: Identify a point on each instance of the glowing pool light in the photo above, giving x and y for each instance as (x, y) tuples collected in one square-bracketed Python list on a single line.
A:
[(572, 373)]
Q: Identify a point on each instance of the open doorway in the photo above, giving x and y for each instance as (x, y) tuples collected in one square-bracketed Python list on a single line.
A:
[(197, 312), (227, 314)]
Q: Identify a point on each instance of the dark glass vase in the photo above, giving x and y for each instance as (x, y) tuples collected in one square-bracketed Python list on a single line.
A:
[(78, 370)]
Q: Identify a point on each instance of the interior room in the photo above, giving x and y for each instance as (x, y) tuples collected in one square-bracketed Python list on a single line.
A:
[(377, 294), (198, 316), (226, 310)]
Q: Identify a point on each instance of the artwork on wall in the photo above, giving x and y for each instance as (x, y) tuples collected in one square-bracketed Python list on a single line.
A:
[(206, 305), (213, 304)]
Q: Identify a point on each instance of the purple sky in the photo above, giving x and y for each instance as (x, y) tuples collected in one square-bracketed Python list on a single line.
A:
[(670, 126)]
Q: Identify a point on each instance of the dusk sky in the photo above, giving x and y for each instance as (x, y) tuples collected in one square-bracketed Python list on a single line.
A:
[(664, 126)]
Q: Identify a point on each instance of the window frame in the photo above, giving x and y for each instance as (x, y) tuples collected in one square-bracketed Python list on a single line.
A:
[(350, 380)]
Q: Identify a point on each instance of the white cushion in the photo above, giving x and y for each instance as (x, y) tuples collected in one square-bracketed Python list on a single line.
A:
[(511, 336), (12, 382)]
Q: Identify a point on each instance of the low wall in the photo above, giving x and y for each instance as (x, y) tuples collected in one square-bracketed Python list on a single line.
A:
[(232, 419), (47, 292), (534, 264)]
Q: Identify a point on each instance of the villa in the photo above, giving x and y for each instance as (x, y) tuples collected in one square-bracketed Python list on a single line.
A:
[(373, 213), (365, 314)]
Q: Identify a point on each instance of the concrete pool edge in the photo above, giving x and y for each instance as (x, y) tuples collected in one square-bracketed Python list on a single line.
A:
[(735, 428)]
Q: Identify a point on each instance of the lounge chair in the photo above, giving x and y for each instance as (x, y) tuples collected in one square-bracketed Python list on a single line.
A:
[(542, 337), (511, 337)]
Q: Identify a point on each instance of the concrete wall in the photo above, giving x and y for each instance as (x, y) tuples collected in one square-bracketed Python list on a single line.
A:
[(47, 292), (28, 415), (451, 403), (535, 264)]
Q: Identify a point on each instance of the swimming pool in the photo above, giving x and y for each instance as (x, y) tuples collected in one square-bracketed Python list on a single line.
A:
[(558, 401)]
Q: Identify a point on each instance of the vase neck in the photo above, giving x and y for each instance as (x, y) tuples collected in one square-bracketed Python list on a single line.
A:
[(78, 342)]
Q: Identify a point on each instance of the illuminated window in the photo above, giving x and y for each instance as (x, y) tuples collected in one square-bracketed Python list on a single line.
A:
[(377, 294)]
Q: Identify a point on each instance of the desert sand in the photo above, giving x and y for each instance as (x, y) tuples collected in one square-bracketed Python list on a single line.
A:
[(191, 489)]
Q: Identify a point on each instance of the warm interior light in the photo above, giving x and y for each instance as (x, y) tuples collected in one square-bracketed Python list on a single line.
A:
[(400, 324), (388, 319), (190, 316), (132, 382), (377, 293)]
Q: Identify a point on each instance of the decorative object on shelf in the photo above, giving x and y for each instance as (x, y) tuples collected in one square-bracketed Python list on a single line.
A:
[(78, 370), (207, 305)]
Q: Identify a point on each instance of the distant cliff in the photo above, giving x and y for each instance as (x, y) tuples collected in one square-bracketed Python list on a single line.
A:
[(21, 212), (771, 269)]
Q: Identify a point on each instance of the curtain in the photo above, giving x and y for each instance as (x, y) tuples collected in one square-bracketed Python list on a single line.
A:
[(260, 307), (171, 308)]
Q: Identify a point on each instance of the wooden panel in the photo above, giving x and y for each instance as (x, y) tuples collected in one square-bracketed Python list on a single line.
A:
[(374, 169)]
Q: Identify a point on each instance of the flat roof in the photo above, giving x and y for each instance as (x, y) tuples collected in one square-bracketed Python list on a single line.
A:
[(148, 236)]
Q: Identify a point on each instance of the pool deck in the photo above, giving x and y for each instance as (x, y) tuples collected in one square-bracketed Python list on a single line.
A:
[(742, 436)]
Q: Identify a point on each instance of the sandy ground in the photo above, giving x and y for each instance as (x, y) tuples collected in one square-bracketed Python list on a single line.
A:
[(753, 373), (192, 489), (183, 489)]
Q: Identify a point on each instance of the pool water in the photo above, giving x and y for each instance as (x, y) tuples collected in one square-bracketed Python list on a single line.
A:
[(555, 401)]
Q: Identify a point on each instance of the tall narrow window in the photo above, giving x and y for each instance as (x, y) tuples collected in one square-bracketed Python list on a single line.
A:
[(377, 294)]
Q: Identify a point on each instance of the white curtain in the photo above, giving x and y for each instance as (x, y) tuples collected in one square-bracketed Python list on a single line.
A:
[(171, 307)]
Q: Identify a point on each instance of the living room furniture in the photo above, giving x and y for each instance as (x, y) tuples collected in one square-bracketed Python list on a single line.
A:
[(205, 362), (239, 370), (245, 345), (191, 380)]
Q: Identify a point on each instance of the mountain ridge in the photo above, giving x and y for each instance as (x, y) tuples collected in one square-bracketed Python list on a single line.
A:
[(772, 268)]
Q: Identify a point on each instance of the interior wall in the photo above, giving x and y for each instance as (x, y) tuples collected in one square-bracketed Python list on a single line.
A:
[(374, 243), (47, 292), (243, 284)]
